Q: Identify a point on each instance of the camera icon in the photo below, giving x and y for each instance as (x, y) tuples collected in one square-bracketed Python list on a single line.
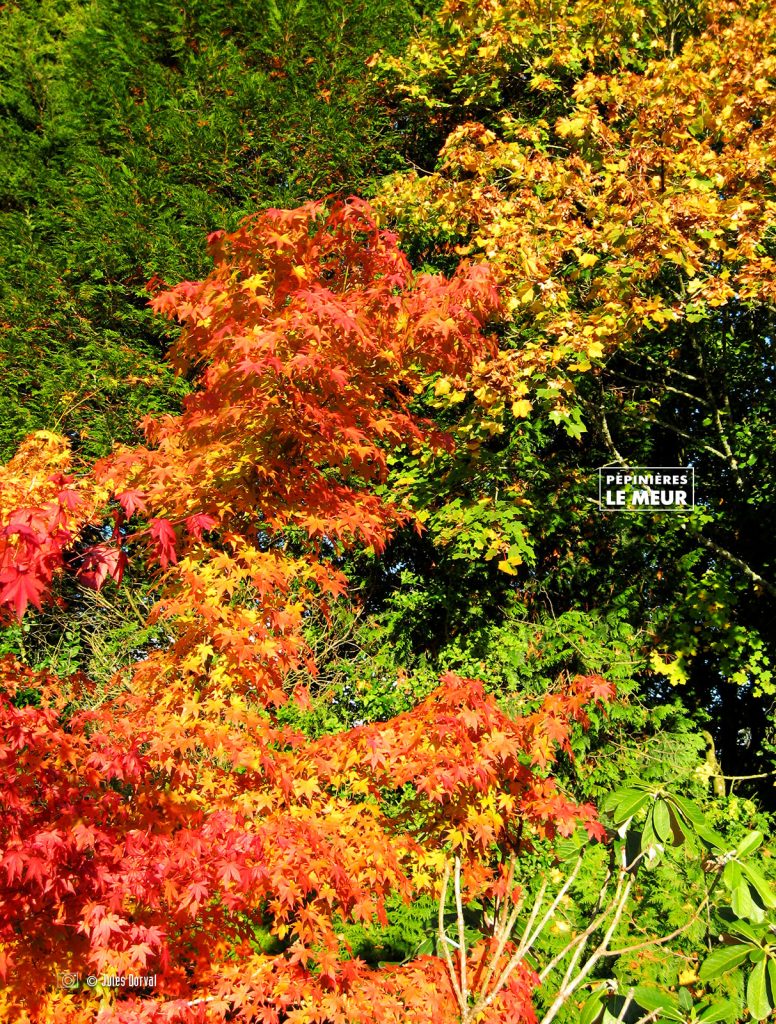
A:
[(68, 979)]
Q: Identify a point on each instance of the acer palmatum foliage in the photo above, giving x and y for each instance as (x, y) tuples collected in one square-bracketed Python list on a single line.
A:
[(120, 857), (156, 833), (309, 340), (43, 509)]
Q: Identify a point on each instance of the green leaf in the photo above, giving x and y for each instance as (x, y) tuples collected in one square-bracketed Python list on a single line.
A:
[(649, 841), (708, 835), (592, 1008), (722, 1010), (757, 1000), (626, 803), (741, 901), (722, 960), (676, 829), (749, 843), (689, 811), (661, 821), (744, 930), (731, 874), (759, 882), (653, 999), (609, 803), (693, 815)]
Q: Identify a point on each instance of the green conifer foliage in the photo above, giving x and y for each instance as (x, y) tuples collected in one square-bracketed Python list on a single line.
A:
[(130, 131)]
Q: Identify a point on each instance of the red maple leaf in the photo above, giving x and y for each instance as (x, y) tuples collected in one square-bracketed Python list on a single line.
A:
[(198, 523), (99, 563), (164, 540), (21, 588), (130, 501)]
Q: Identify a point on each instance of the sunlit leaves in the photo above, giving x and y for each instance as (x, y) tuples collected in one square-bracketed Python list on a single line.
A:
[(42, 511), (648, 203), (750, 944), (161, 829)]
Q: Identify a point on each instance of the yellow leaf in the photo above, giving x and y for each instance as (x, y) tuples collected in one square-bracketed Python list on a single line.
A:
[(688, 977), (255, 282), (507, 567), (588, 259), (456, 837), (674, 671), (571, 126), (521, 408)]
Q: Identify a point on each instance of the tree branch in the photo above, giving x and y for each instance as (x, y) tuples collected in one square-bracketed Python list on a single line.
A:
[(461, 935), (443, 936), (648, 943), (608, 440), (569, 986), (729, 456), (686, 436), (735, 560)]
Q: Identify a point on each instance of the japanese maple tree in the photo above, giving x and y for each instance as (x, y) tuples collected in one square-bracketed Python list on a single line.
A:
[(160, 830)]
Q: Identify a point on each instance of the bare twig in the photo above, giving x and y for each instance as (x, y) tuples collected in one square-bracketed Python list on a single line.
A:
[(741, 778), (530, 935), (502, 910), (661, 366), (570, 984), (461, 934), (507, 931), (526, 944), (625, 1005), (649, 1016), (649, 943), (443, 936)]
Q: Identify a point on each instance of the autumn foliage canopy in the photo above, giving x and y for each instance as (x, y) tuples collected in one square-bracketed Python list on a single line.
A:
[(151, 830), (376, 662)]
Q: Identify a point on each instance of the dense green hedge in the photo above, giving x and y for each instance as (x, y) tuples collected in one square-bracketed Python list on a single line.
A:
[(128, 131)]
